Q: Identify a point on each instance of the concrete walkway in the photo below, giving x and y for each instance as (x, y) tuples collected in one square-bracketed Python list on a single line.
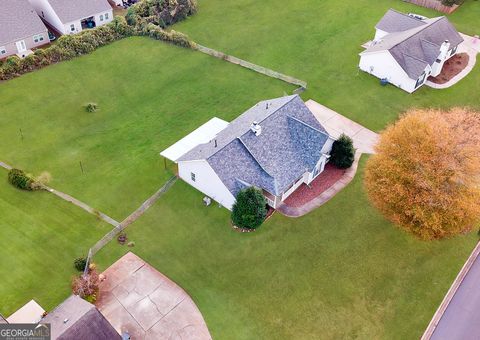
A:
[(73, 200), (364, 139), (471, 46), (325, 196), (137, 299)]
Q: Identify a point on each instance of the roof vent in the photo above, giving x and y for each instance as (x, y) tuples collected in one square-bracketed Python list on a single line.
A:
[(256, 128)]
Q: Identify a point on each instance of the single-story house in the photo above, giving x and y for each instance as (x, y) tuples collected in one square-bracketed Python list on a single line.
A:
[(21, 30), (76, 318), (409, 48), (275, 146), (73, 16)]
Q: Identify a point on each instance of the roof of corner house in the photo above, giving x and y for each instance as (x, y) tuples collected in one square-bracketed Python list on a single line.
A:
[(18, 20), (419, 46), (84, 321), (394, 21), (289, 145), (71, 10), (2, 319)]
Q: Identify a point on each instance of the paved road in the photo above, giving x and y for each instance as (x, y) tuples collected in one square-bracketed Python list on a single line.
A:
[(461, 319)]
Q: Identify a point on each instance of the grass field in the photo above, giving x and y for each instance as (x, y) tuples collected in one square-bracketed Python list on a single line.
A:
[(41, 235), (319, 42), (340, 272), (149, 93)]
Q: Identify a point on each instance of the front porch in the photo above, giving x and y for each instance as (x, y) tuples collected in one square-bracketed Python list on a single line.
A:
[(309, 197)]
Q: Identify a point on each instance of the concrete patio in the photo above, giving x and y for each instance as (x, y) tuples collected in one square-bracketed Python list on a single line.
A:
[(137, 299)]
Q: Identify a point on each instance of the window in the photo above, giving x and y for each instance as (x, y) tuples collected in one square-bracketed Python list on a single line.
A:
[(3, 50), (38, 38), (192, 175), (101, 17), (106, 16), (421, 80), (43, 14), (452, 52), (72, 27)]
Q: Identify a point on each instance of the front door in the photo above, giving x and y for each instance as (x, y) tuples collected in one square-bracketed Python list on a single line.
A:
[(21, 47)]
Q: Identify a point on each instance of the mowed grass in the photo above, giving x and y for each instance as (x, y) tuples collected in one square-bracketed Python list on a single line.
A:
[(339, 272), (149, 94), (319, 42), (40, 236)]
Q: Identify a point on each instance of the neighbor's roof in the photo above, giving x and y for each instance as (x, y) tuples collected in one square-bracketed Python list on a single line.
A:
[(2, 319), (18, 20), (76, 318), (418, 45), (203, 134), (289, 145), (71, 10), (31, 312)]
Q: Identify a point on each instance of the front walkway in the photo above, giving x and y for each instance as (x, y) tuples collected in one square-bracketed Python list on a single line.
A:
[(471, 46), (135, 297), (325, 196), (364, 139)]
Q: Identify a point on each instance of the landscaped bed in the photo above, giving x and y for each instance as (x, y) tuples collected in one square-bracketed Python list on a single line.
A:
[(451, 68)]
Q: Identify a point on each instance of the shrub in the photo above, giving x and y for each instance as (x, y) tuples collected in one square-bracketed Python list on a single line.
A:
[(122, 238), (450, 3), (87, 286), (250, 209), (91, 107), (19, 179), (343, 152), (80, 264)]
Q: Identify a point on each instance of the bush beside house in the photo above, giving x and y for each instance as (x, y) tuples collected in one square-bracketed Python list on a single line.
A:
[(250, 209), (343, 152)]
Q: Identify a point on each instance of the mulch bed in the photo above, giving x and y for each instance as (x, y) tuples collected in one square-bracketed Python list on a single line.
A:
[(325, 180), (451, 68)]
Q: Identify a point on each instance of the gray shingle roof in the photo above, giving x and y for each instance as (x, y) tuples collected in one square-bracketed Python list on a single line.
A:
[(18, 20), (2, 319), (84, 321), (290, 144), (71, 10), (394, 21), (419, 46)]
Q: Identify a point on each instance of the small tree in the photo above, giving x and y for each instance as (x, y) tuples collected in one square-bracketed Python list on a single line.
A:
[(87, 286), (343, 152), (425, 175), (250, 209), (18, 178), (80, 264)]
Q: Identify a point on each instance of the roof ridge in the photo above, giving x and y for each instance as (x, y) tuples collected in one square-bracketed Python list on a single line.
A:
[(418, 30), (308, 125), (292, 97), (251, 154), (429, 42), (411, 56)]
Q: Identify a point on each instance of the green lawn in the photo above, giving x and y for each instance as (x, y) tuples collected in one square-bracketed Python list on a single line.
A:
[(340, 272), (149, 93), (40, 236), (319, 41)]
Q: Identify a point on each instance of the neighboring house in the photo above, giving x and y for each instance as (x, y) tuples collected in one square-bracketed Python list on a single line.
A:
[(21, 30), (276, 146), (76, 318), (2, 319), (73, 16), (407, 49)]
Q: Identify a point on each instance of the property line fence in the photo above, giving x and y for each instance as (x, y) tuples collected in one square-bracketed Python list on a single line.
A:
[(434, 4), (130, 219), (260, 69)]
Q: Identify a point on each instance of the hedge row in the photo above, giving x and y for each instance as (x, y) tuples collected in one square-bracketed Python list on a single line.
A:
[(71, 46), (162, 13)]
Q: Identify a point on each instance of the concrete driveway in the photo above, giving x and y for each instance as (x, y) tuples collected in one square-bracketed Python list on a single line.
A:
[(336, 124), (137, 299)]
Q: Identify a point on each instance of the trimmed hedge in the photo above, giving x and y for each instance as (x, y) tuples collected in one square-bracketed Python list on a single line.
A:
[(343, 152)]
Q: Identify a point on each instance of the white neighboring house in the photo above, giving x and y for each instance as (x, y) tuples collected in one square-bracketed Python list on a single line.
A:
[(407, 49), (21, 30), (275, 146), (73, 16)]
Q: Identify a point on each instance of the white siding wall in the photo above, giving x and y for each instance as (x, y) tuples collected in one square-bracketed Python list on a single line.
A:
[(78, 23), (383, 65), (379, 34), (206, 181)]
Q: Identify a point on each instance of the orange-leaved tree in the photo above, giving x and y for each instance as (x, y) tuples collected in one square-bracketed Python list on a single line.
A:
[(425, 175)]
